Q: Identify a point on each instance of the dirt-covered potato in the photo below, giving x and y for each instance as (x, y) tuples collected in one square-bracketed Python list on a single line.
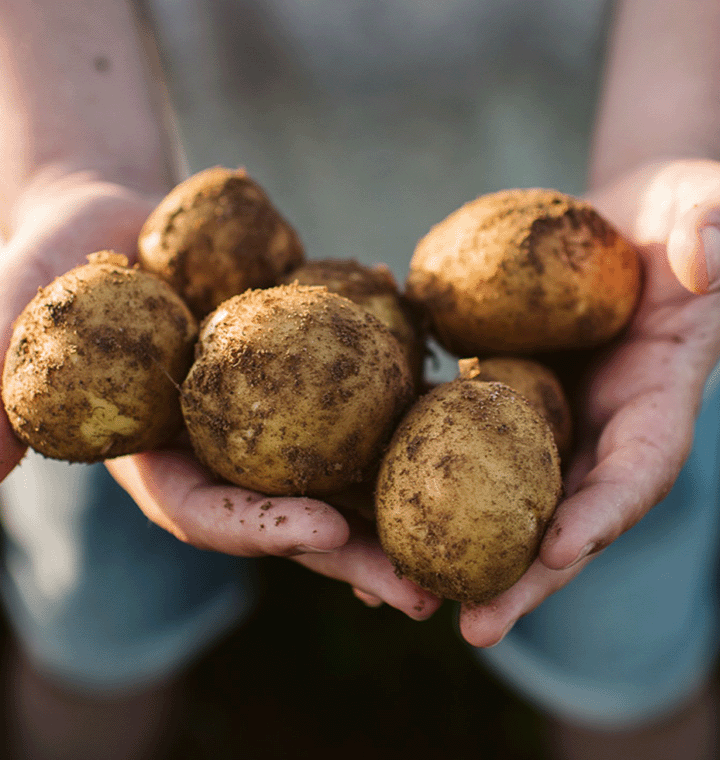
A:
[(375, 289), (294, 390), (215, 235), (357, 499), (524, 271), (95, 362), (533, 380), (466, 489)]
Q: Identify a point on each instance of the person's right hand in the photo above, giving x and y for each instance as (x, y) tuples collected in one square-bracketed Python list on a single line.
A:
[(55, 229), (642, 392)]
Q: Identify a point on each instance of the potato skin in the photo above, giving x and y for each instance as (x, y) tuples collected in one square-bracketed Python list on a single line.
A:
[(215, 235), (466, 489), (524, 271), (294, 390), (375, 289), (532, 380), (95, 362)]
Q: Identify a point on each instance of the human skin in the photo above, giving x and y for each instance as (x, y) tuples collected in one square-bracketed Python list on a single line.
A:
[(654, 175)]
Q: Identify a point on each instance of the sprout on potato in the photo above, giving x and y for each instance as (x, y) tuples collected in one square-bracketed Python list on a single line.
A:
[(95, 362), (533, 380)]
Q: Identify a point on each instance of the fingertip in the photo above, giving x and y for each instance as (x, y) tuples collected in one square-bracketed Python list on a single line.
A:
[(480, 630), (693, 251), (416, 602), (12, 450), (710, 238), (565, 558), (687, 261), (327, 530), (10, 458), (567, 540), (425, 607), (555, 551)]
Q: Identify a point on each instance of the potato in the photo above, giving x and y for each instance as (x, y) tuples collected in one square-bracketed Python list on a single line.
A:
[(357, 499), (533, 380), (375, 289), (95, 362), (294, 390), (215, 235), (523, 271), (466, 489)]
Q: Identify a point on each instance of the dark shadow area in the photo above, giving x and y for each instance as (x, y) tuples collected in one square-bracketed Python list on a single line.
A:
[(317, 674)]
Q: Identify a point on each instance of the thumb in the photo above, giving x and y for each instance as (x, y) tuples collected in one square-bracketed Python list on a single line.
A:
[(693, 247), (674, 204)]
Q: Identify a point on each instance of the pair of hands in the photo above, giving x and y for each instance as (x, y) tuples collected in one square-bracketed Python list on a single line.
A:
[(637, 410)]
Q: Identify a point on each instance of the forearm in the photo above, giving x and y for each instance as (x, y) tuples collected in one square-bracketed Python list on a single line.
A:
[(75, 97), (661, 95)]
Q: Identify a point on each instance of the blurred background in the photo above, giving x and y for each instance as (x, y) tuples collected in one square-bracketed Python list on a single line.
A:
[(369, 121), (316, 674)]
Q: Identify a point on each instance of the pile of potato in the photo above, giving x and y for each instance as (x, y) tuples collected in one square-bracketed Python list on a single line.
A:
[(306, 377)]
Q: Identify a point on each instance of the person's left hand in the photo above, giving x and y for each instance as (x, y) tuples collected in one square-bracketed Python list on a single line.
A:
[(642, 394)]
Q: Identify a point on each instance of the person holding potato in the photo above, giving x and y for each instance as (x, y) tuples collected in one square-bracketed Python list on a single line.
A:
[(86, 158)]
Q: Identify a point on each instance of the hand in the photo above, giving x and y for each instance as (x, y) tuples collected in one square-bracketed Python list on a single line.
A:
[(642, 395), (55, 231)]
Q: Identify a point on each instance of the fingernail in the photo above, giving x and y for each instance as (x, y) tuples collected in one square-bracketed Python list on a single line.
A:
[(368, 599), (710, 237), (305, 549), (587, 549)]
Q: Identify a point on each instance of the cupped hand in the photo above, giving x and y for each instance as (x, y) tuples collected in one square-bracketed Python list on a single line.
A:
[(54, 230), (641, 397)]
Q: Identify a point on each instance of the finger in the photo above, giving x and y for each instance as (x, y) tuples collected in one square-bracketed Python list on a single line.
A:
[(11, 449), (647, 203), (635, 471), (694, 246), (175, 492), (644, 398), (362, 564), (673, 204), (486, 625)]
